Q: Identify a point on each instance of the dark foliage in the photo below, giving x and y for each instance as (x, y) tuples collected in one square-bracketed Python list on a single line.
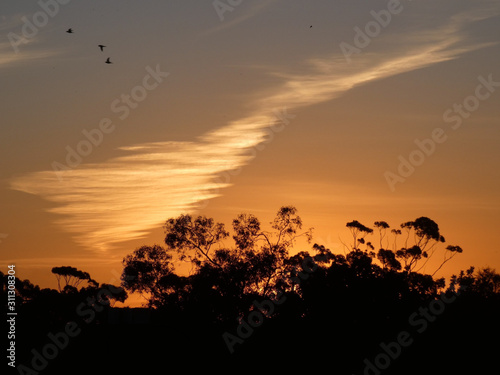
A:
[(255, 307)]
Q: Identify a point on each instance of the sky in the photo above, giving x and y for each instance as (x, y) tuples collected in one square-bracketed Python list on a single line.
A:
[(366, 110)]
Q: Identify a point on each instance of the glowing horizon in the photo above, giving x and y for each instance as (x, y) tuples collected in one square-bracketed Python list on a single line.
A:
[(207, 139)]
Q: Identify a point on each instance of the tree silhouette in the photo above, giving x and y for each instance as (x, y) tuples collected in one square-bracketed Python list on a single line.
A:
[(388, 260), (488, 282), (382, 227), (358, 229), (255, 266), (149, 271), (448, 255), (247, 283), (484, 283), (114, 294), (426, 232), (71, 276), (193, 238)]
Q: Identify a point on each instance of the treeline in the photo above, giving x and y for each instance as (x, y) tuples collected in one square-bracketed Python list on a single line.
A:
[(252, 304)]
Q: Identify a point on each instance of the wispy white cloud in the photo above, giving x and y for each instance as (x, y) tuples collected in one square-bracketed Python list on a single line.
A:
[(17, 49), (27, 50), (332, 76), (8, 58), (125, 197)]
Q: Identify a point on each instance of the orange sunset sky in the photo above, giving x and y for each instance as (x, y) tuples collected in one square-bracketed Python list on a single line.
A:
[(366, 110)]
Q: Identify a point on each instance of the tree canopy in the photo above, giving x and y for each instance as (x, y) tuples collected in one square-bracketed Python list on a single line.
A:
[(71, 276), (249, 292)]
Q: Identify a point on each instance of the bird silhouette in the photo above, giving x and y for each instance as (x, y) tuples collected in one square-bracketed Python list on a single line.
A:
[(108, 61), (311, 26), (101, 47), (70, 31)]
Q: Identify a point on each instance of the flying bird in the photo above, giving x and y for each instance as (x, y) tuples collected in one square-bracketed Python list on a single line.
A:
[(311, 26), (70, 31), (108, 61), (101, 47)]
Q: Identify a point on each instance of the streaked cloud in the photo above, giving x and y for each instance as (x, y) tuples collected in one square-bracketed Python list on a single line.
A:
[(8, 58), (18, 49), (123, 198), (333, 76), (29, 49)]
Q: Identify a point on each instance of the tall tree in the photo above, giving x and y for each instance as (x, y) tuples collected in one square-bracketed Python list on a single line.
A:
[(71, 276), (149, 271), (194, 238)]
